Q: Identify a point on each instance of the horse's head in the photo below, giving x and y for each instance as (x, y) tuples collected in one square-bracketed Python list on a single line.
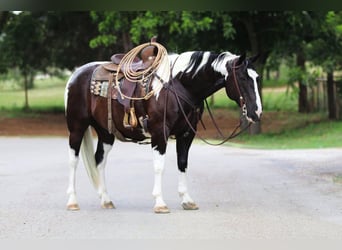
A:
[(242, 86)]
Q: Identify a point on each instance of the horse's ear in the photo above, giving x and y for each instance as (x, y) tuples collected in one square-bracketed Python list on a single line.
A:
[(254, 58), (242, 58), (154, 39)]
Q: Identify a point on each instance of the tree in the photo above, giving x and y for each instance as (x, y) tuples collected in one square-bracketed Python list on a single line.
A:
[(324, 51), (35, 41), (259, 33), (177, 30), (67, 35), (114, 29), (22, 46)]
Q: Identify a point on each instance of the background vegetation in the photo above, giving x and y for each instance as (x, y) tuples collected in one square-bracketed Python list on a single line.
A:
[(299, 59)]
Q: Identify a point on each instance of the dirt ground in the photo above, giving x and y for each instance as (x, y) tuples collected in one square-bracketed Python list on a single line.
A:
[(50, 124)]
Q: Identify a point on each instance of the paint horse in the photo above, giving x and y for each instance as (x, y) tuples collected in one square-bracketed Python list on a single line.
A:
[(174, 109)]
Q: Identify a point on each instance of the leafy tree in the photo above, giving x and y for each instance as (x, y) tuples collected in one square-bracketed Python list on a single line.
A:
[(177, 30), (22, 46), (324, 51), (303, 28), (68, 35), (114, 29), (4, 15), (35, 41)]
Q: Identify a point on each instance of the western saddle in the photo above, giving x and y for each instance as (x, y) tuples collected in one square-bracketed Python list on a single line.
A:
[(103, 83)]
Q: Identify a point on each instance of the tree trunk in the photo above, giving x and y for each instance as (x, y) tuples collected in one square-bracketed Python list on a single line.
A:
[(127, 42), (303, 104), (26, 83), (331, 89)]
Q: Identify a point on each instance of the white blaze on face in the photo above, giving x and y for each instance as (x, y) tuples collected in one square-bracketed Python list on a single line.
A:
[(254, 76)]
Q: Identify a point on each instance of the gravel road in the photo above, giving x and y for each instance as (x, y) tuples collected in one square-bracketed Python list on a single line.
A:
[(242, 193)]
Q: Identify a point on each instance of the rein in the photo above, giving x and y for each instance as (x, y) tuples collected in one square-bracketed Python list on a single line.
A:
[(232, 135), (242, 101)]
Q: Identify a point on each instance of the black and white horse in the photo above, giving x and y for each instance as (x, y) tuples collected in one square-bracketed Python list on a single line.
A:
[(174, 109)]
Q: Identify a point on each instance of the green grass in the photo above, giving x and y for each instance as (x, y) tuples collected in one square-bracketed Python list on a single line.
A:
[(47, 95), (322, 134)]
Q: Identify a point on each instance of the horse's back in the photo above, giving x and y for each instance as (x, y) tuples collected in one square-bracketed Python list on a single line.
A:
[(77, 93)]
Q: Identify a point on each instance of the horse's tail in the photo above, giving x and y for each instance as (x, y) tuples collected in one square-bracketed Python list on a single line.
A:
[(88, 156)]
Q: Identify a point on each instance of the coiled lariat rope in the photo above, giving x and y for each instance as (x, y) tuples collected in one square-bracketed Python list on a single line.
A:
[(140, 76)]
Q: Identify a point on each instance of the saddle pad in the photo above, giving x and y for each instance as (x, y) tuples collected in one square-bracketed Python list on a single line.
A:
[(99, 85), (99, 82)]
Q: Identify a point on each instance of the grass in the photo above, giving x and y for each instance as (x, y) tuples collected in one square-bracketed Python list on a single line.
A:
[(47, 95), (323, 134), (294, 130)]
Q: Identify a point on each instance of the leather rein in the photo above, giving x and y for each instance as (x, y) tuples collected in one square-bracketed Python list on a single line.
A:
[(235, 132)]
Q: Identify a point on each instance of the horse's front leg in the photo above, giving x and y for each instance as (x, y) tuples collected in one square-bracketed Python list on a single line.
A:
[(183, 144), (158, 150)]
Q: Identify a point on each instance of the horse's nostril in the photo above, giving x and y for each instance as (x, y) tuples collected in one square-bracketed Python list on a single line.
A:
[(258, 113)]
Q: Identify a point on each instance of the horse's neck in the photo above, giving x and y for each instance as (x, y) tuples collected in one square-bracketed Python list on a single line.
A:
[(200, 82), (203, 84)]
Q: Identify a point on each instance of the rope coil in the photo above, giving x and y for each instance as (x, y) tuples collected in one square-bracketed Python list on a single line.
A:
[(132, 75)]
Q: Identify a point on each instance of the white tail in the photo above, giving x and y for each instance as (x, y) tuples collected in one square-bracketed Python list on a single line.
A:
[(88, 156)]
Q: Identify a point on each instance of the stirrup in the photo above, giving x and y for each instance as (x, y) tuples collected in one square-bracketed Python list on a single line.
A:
[(130, 119)]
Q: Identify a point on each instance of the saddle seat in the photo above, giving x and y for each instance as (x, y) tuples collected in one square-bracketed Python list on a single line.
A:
[(147, 56), (104, 75)]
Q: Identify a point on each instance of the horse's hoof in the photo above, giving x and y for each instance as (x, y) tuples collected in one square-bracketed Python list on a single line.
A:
[(189, 206), (108, 205), (73, 207), (161, 210)]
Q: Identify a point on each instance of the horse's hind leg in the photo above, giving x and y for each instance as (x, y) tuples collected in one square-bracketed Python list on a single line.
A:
[(75, 140), (183, 144), (101, 159), (104, 146)]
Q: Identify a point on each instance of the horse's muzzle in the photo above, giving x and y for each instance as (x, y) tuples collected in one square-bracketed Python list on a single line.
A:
[(254, 117)]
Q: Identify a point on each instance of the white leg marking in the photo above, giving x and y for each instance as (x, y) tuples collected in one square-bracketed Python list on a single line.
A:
[(187, 202), (183, 188), (102, 190), (71, 191), (158, 163)]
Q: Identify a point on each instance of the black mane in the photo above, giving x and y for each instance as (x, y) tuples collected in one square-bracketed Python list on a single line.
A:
[(196, 59)]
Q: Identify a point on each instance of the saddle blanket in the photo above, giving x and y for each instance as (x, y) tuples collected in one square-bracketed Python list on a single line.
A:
[(100, 81)]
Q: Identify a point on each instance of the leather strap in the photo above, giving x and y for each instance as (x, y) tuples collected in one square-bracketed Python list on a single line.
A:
[(111, 128)]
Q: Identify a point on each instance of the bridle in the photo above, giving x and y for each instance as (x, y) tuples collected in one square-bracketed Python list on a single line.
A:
[(241, 99), (233, 134)]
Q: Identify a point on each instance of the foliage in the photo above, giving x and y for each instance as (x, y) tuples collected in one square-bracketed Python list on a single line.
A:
[(67, 35), (323, 50), (22, 44), (178, 30)]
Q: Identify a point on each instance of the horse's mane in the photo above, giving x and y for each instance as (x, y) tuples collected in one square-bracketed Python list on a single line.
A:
[(198, 60), (205, 60)]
